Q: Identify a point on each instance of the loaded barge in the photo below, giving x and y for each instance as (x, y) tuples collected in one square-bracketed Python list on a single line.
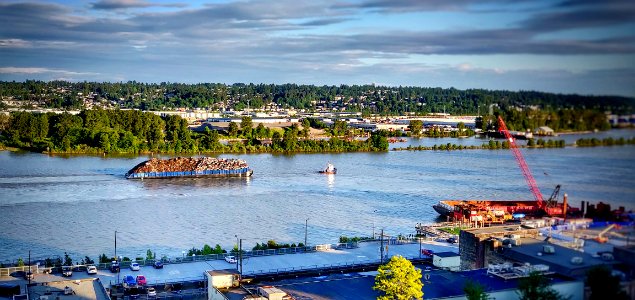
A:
[(189, 167)]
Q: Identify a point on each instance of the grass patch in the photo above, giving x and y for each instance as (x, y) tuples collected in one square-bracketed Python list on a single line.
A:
[(451, 230)]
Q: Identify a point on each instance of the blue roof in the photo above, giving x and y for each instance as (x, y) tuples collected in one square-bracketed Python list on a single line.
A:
[(450, 284), (560, 261)]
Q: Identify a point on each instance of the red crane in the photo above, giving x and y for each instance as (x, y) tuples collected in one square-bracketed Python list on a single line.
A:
[(523, 165)]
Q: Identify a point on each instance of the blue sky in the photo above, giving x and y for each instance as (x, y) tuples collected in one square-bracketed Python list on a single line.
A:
[(565, 46)]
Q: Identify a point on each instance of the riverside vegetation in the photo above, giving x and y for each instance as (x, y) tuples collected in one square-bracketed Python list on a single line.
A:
[(132, 131)]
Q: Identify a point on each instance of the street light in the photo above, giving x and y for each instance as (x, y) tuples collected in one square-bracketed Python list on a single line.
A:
[(374, 212), (236, 253), (183, 252)]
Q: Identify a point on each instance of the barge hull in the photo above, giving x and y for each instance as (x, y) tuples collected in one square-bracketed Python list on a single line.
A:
[(192, 174)]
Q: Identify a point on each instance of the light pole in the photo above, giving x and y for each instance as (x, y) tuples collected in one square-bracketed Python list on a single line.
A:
[(236, 248), (306, 226), (183, 252), (374, 212), (117, 257), (29, 274)]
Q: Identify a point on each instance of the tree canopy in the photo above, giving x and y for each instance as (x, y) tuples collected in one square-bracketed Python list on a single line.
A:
[(398, 279), (604, 285), (537, 287)]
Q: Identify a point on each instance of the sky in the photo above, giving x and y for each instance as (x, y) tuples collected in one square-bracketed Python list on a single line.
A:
[(562, 46)]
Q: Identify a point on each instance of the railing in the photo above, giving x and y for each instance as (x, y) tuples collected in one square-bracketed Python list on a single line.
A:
[(318, 268), (245, 253), (11, 270)]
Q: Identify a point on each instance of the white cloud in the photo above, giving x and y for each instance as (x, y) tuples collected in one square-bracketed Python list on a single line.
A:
[(38, 70)]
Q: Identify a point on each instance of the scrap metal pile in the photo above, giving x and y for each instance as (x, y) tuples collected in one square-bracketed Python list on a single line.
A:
[(182, 164)]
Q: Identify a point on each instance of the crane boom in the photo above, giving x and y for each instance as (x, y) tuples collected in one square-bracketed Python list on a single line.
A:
[(531, 182)]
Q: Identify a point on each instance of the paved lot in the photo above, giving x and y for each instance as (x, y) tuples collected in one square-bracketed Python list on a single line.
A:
[(367, 252)]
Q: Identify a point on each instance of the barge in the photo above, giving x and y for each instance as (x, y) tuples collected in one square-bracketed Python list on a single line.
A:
[(180, 167)]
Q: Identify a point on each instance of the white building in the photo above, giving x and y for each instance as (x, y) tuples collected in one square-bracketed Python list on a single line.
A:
[(447, 260)]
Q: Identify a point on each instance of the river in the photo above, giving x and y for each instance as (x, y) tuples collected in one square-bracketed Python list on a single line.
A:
[(53, 204)]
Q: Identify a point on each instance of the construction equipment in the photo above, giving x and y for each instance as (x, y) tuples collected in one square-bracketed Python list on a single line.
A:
[(601, 238), (548, 207)]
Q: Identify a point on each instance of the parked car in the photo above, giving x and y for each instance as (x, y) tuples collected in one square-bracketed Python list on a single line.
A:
[(152, 292), (134, 266), (230, 259), (114, 267), (451, 240), (141, 280), (158, 264), (67, 271), (91, 270), (129, 281)]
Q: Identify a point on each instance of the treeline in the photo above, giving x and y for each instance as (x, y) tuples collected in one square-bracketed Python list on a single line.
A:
[(491, 145), (561, 120), (593, 142), (417, 130), (369, 99), (132, 131)]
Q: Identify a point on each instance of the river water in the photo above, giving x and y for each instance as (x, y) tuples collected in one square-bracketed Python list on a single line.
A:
[(51, 205)]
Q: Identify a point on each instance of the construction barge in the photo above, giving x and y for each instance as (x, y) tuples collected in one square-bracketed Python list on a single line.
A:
[(181, 167), (500, 211)]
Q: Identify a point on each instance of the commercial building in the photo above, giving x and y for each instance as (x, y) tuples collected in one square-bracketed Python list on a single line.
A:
[(477, 245)]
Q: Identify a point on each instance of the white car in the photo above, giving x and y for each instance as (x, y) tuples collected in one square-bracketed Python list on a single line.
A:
[(91, 270), (152, 292), (134, 266), (230, 259)]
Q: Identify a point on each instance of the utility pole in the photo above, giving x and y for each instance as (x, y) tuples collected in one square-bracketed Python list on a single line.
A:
[(240, 256), (419, 237), (237, 245), (117, 257), (29, 272), (306, 225), (381, 247)]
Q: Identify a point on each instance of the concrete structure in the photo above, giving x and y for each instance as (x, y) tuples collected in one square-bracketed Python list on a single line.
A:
[(222, 279), (544, 130), (476, 245), (447, 260)]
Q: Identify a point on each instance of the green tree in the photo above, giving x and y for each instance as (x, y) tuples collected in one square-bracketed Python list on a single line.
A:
[(20, 262), (536, 287), (150, 255), (604, 285), (474, 291), (398, 279), (67, 260), (246, 127), (233, 129), (415, 127)]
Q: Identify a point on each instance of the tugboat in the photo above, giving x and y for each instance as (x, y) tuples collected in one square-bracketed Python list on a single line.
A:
[(330, 169)]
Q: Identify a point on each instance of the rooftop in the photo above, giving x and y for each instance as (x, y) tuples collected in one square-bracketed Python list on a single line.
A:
[(81, 289), (560, 261), (440, 284), (223, 272), (446, 254)]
